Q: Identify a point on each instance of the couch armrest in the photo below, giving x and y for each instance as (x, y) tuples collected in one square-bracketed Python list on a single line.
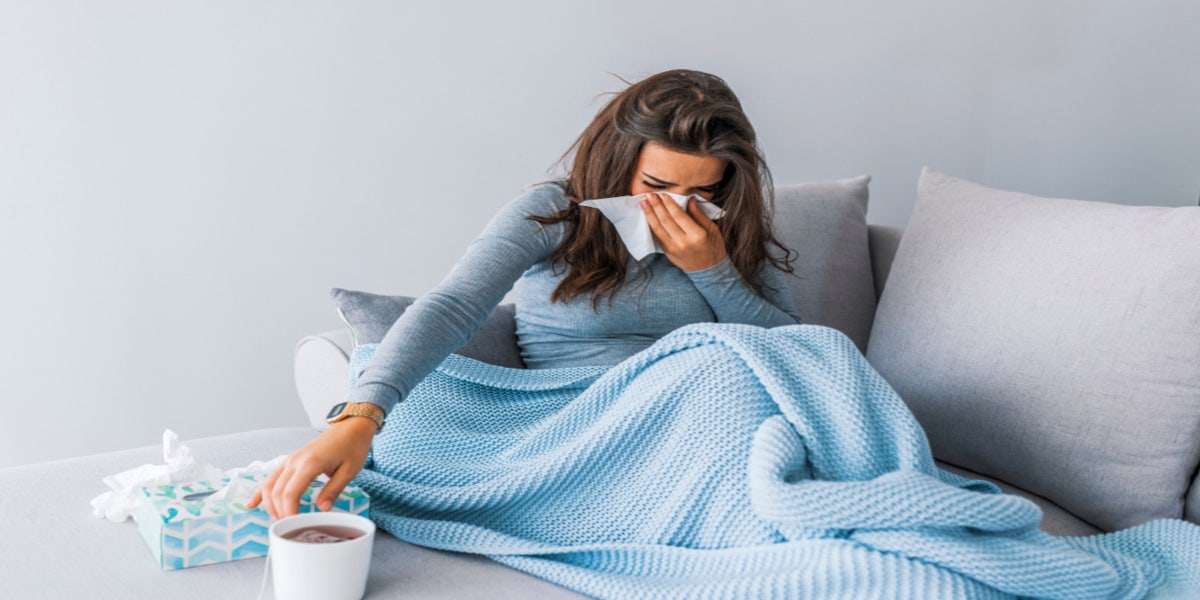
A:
[(322, 364)]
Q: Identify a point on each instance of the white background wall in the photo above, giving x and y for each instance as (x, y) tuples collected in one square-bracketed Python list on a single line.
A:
[(182, 182)]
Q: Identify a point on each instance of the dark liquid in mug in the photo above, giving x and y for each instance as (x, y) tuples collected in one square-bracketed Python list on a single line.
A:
[(323, 534)]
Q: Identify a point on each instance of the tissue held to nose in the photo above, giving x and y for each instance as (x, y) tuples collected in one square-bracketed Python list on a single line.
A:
[(627, 216)]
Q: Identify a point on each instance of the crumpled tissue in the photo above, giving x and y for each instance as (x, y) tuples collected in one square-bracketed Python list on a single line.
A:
[(626, 215), (125, 496)]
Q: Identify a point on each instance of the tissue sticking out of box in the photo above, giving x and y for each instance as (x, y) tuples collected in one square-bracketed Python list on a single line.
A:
[(237, 490), (124, 496)]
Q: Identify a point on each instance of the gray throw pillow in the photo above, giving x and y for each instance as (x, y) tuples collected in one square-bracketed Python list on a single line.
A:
[(370, 316), (826, 223), (1052, 344)]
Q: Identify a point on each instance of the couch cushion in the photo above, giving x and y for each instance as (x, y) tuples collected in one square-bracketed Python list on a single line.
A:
[(826, 223), (1052, 344), (1055, 520), (370, 316)]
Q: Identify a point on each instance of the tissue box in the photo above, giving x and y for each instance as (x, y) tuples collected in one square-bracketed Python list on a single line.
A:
[(186, 529)]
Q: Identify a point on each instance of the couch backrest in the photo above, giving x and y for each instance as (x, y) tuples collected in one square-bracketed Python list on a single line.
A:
[(883, 243)]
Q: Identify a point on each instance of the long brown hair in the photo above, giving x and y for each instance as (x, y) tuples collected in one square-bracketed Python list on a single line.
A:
[(686, 111)]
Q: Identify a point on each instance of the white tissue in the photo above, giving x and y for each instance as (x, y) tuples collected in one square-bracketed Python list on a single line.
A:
[(626, 215), (237, 490), (125, 496)]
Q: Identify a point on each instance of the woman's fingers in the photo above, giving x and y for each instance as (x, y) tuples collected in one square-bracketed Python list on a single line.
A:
[(656, 227), (701, 219), (299, 480), (662, 223), (255, 498), (272, 496), (690, 239), (339, 452), (337, 482), (263, 494), (671, 224), (686, 223), (662, 208), (280, 493)]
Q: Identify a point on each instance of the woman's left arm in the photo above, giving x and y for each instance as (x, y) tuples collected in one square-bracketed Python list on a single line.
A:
[(734, 302)]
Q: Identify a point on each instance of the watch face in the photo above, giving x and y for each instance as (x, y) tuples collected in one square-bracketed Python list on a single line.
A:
[(336, 410)]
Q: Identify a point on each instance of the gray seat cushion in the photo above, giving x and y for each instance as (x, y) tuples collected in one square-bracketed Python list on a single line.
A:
[(1055, 520), (57, 549), (1051, 344)]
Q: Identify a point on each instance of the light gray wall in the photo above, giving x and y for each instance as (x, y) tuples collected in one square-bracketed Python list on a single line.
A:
[(182, 182)]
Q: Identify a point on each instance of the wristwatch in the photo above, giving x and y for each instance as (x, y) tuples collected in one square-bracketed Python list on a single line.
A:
[(343, 410)]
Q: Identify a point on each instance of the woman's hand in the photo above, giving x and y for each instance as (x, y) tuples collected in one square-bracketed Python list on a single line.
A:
[(338, 452), (689, 239)]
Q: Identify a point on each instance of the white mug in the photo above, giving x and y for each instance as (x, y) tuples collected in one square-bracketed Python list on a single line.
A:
[(325, 571)]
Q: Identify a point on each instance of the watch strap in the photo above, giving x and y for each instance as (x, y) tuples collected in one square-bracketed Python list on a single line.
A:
[(362, 409)]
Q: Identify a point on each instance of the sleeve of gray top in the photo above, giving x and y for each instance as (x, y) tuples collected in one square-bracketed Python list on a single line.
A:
[(734, 302), (445, 318)]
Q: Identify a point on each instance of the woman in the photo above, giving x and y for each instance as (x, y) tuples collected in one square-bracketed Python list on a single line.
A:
[(652, 453), (581, 299)]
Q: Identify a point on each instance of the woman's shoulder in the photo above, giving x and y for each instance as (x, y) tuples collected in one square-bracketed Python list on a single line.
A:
[(542, 199)]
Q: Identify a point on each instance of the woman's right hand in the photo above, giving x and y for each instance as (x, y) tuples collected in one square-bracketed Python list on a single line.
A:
[(338, 452)]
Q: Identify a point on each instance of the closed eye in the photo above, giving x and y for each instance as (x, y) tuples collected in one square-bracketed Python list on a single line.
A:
[(708, 189)]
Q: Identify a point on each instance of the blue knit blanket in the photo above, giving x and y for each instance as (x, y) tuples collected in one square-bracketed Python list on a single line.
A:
[(728, 461)]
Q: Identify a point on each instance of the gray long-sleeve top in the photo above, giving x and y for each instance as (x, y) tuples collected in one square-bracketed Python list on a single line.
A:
[(513, 253)]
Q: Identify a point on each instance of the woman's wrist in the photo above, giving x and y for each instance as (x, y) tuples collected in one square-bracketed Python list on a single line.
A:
[(713, 268), (711, 261), (356, 426)]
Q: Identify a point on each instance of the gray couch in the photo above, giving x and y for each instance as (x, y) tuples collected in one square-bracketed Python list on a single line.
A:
[(951, 363)]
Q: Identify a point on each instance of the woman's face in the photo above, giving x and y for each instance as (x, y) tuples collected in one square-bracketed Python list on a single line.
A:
[(660, 169)]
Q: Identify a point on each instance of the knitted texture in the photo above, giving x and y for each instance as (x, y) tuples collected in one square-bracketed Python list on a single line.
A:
[(727, 461)]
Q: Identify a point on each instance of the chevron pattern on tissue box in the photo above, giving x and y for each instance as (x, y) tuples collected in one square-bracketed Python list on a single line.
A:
[(185, 532)]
